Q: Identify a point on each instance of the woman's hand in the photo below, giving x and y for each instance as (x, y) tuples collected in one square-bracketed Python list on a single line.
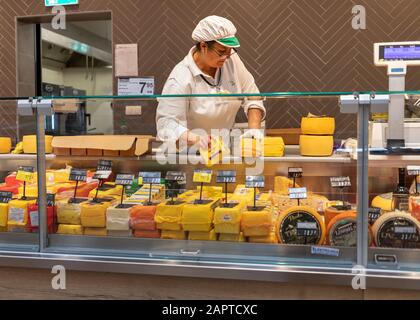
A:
[(191, 139)]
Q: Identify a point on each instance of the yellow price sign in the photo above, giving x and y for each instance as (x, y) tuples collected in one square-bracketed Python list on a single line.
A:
[(25, 174), (140, 180), (202, 176)]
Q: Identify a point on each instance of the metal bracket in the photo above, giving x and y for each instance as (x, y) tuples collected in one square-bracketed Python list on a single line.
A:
[(378, 103), (31, 106)]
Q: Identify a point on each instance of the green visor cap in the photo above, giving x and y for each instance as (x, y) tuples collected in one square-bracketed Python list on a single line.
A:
[(231, 42)]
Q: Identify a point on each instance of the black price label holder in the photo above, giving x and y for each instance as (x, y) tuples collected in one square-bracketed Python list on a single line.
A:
[(254, 182), (226, 177), (374, 214), (340, 183), (77, 175), (50, 200), (103, 172), (414, 171), (151, 178), (124, 179), (5, 196), (295, 173), (175, 177)]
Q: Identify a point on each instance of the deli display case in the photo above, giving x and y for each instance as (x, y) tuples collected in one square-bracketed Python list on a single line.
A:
[(309, 203)]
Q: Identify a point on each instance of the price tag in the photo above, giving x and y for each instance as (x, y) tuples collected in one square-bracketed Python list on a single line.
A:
[(254, 181), (5, 197), (136, 86), (103, 170), (177, 176), (374, 214), (340, 182), (298, 193), (123, 179), (307, 229), (78, 175), (405, 233), (295, 173), (50, 200), (226, 177), (202, 176), (413, 170), (25, 174), (150, 177)]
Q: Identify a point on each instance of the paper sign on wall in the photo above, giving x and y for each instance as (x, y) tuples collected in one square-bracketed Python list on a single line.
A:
[(126, 60)]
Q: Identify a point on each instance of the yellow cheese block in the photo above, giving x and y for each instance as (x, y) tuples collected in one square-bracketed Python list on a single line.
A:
[(318, 125), (316, 146), (301, 225), (18, 212), (93, 215), (283, 202), (29, 144), (5, 145), (383, 201), (397, 230), (70, 229), (243, 193), (202, 236), (210, 192), (4, 212), (61, 176), (232, 237), (214, 154), (273, 147), (256, 223), (115, 191), (199, 217), (69, 213), (118, 219), (174, 235), (283, 184), (228, 219), (95, 232), (168, 217), (271, 238)]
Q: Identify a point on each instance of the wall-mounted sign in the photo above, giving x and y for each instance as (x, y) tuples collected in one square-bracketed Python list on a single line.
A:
[(52, 3)]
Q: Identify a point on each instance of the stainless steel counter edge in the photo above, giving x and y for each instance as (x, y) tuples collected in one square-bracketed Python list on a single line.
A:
[(294, 274)]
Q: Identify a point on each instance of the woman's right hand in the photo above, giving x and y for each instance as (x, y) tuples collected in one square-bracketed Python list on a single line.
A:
[(192, 139)]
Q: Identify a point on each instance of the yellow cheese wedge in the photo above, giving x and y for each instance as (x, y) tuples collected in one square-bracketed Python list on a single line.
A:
[(5, 145), (397, 230), (70, 229), (283, 184), (93, 214), (214, 154), (69, 213), (174, 235), (271, 238), (316, 146), (232, 237), (168, 217), (95, 232), (300, 225), (202, 236), (318, 125), (29, 144), (228, 219), (4, 212), (256, 223), (383, 201), (283, 202), (198, 217)]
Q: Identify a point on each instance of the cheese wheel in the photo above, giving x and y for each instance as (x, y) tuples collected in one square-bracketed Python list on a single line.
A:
[(316, 146), (318, 125), (300, 225), (342, 230), (29, 144), (331, 212), (383, 201), (397, 230), (5, 145)]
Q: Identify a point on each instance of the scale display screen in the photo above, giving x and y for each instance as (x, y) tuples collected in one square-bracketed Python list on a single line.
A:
[(399, 52)]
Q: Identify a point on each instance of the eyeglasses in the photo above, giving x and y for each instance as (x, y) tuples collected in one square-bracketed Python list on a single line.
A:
[(224, 54)]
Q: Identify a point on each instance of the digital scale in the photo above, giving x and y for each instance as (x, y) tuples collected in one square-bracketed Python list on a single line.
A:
[(397, 57)]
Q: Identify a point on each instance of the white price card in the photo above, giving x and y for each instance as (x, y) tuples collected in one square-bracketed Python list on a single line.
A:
[(298, 193), (136, 86), (413, 170)]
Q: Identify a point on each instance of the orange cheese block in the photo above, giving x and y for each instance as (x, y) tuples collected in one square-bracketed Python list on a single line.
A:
[(143, 218), (155, 234)]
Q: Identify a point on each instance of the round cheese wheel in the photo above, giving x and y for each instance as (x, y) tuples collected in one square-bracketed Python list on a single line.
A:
[(300, 225), (331, 212), (383, 201), (316, 146), (29, 144), (5, 145), (397, 230), (318, 125), (342, 230)]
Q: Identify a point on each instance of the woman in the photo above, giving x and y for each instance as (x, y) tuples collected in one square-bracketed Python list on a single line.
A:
[(212, 66)]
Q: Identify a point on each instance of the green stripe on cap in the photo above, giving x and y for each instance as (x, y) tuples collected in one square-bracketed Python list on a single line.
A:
[(232, 42)]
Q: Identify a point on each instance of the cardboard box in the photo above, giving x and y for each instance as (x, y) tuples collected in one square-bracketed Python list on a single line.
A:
[(125, 146), (290, 136), (62, 151)]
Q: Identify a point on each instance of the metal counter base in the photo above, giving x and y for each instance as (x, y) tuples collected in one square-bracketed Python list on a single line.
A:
[(26, 242)]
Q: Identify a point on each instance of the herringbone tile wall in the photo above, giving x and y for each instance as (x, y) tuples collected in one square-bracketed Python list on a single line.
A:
[(289, 45)]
